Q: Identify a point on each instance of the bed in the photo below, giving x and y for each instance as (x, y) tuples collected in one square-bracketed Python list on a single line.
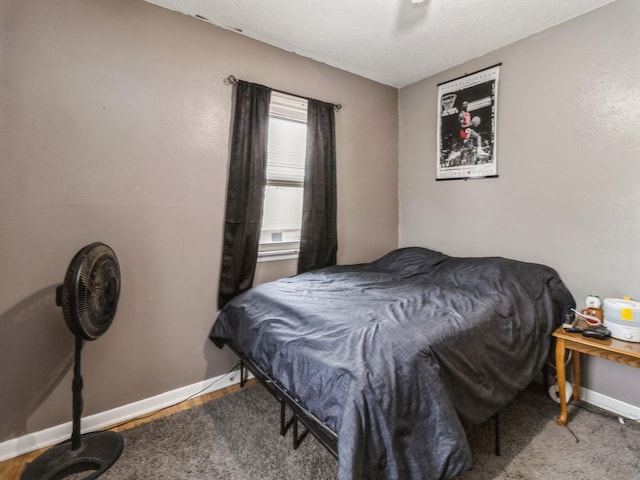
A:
[(395, 359)]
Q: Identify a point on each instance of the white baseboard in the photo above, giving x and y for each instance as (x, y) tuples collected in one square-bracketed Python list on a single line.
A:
[(51, 436), (617, 407)]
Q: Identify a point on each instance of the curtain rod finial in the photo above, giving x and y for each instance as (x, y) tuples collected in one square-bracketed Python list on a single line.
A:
[(230, 80)]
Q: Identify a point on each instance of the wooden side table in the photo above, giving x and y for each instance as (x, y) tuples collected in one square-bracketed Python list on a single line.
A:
[(619, 351)]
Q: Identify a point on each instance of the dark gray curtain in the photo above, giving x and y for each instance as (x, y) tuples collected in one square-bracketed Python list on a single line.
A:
[(319, 238), (245, 190)]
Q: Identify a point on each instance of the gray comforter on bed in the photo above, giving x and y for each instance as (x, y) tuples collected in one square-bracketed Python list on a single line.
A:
[(401, 355)]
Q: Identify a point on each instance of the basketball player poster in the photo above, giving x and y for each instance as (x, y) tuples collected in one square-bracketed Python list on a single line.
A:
[(467, 108)]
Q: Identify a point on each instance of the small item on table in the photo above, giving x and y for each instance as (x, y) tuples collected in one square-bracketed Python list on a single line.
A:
[(591, 320), (594, 309), (600, 332)]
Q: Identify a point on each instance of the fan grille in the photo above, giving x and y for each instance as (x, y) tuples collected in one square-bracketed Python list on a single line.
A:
[(91, 290)]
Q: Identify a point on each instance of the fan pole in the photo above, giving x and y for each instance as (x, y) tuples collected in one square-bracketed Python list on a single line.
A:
[(76, 435)]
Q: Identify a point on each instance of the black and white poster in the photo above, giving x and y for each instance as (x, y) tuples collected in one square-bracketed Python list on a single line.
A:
[(467, 108)]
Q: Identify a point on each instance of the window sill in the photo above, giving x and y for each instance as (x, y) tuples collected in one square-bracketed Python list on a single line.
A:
[(277, 255)]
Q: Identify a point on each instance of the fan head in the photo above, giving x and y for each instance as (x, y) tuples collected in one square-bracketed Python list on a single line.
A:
[(90, 292)]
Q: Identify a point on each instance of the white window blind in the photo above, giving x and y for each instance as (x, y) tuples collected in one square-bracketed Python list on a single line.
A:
[(286, 153)]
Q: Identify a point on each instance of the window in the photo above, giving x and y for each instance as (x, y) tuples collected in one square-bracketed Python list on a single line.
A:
[(286, 153)]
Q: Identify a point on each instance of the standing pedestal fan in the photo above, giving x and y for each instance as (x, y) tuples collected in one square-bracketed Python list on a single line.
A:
[(88, 297)]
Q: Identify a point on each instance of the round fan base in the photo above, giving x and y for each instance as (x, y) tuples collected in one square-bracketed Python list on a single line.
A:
[(97, 452)]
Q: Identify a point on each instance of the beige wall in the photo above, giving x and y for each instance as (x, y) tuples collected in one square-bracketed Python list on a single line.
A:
[(567, 147), (114, 127)]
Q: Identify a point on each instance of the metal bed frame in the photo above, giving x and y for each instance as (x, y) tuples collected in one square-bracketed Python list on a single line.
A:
[(327, 437)]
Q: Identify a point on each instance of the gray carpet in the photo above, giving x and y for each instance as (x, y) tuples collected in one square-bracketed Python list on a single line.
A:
[(237, 438)]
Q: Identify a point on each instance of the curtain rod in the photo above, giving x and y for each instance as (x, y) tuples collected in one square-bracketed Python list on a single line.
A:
[(231, 80)]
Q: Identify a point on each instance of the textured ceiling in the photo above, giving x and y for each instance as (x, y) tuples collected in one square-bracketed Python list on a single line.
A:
[(394, 42)]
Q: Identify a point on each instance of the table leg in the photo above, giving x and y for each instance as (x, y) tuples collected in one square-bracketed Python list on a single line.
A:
[(576, 375), (560, 372)]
